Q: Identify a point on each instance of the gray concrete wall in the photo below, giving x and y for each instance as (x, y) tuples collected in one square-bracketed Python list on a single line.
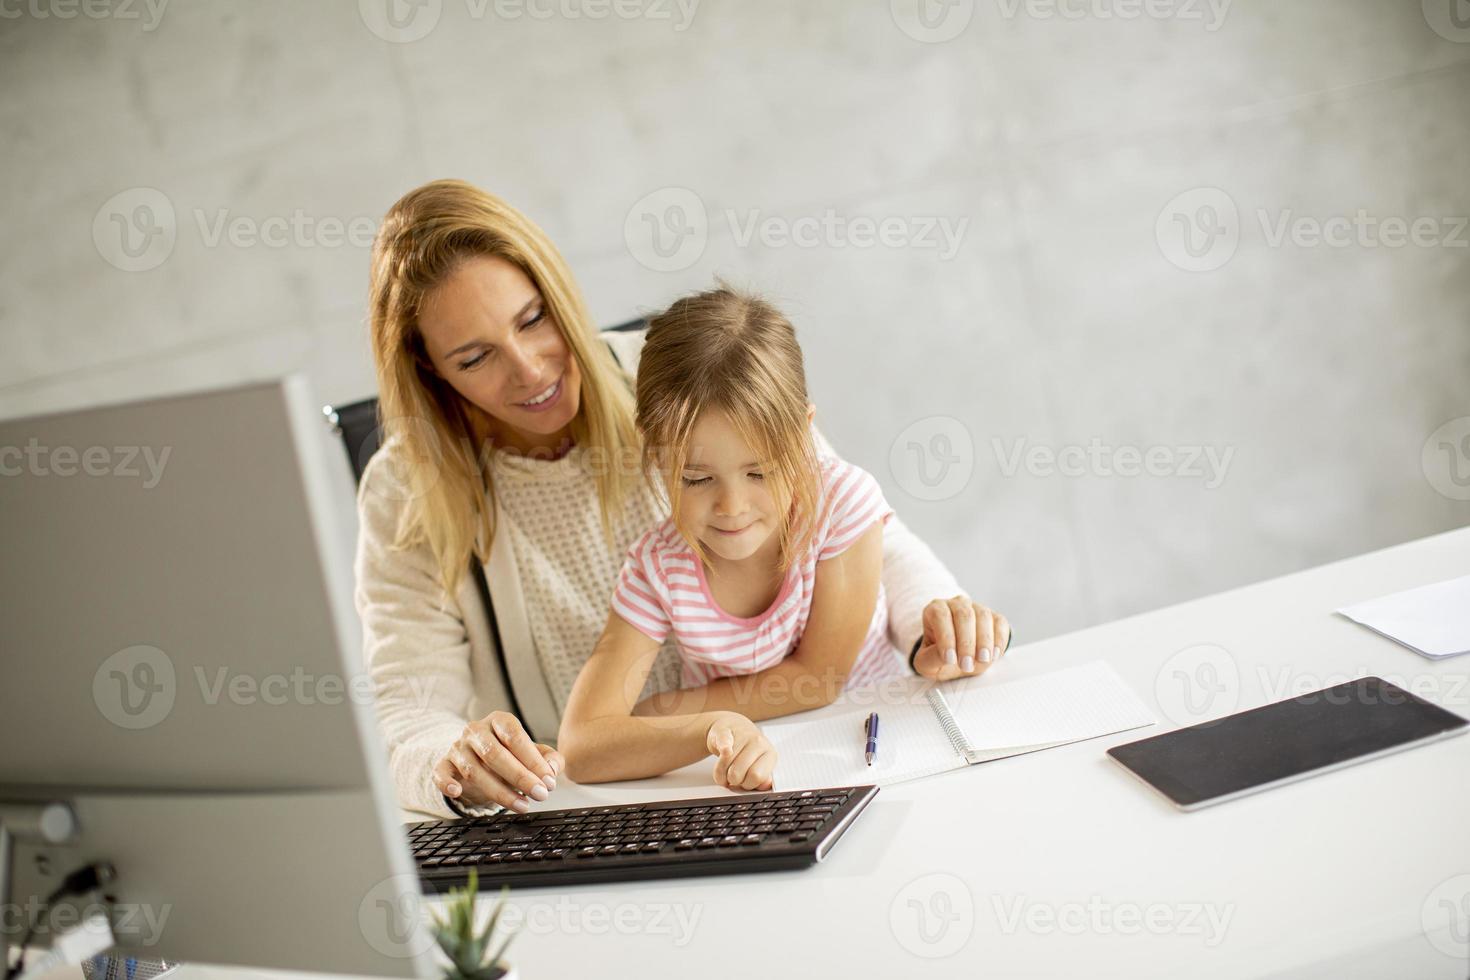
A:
[(1028, 245)]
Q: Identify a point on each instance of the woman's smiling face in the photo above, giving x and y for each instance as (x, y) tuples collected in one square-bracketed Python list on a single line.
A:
[(489, 333)]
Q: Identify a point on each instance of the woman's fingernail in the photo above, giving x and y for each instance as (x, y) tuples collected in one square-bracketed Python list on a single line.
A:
[(538, 792), (987, 655), (452, 789), (550, 781), (519, 805), (949, 656), (968, 664)]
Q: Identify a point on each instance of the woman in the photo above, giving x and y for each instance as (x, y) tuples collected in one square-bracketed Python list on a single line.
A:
[(508, 435)]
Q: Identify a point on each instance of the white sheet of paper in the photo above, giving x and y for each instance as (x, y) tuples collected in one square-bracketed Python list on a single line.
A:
[(1000, 719), (1433, 620)]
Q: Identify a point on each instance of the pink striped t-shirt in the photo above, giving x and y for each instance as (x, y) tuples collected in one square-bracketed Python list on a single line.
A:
[(662, 588)]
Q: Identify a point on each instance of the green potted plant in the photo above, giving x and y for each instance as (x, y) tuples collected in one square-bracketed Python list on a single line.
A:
[(466, 951)]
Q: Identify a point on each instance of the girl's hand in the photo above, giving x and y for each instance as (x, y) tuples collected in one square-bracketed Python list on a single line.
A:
[(961, 639), (744, 758), (495, 761)]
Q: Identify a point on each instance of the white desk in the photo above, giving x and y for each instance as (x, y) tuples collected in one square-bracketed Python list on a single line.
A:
[(1061, 864)]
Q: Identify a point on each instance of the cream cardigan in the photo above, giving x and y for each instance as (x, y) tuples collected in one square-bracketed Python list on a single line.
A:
[(433, 658)]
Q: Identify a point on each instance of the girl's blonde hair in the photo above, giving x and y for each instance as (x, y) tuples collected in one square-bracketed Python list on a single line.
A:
[(424, 238), (731, 351)]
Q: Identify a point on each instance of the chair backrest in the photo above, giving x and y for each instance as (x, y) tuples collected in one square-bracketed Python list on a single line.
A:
[(357, 422)]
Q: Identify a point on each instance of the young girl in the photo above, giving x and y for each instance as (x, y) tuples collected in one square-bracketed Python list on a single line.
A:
[(766, 574)]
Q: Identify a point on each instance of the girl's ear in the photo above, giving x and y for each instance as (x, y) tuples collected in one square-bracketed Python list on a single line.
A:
[(811, 412)]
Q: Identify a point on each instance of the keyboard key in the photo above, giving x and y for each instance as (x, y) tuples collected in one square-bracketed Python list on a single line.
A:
[(707, 842), (586, 852), (730, 841), (751, 839), (798, 838), (652, 847), (686, 844)]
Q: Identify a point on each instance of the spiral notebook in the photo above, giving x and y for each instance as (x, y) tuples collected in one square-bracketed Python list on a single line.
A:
[(929, 729)]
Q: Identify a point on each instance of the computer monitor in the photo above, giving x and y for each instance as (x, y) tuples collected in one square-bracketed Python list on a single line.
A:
[(181, 666)]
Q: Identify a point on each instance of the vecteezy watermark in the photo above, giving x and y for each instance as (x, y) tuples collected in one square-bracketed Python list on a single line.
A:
[(1197, 683), (1208, 921), (1201, 229), (1445, 916), (933, 916), (1207, 463), (668, 230), (1450, 19), (1210, 13), (404, 21), (933, 458), (297, 687), (394, 919), (1362, 229), (932, 21), (133, 923), (565, 916), (298, 230), (149, 12), (1445, 459), (135, 687), (136, 230), (138, 687), (829, 229), (1447, 690), (66, 461)]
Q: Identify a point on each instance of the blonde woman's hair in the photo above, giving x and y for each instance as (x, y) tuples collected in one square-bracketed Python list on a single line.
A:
[(734, 352), (424, 238)]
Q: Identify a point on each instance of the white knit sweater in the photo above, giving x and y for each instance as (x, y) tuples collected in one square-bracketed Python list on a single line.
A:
[(551, 573), (566, 566)]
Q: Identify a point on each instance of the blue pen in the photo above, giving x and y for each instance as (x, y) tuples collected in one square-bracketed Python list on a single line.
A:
[(872, 729)]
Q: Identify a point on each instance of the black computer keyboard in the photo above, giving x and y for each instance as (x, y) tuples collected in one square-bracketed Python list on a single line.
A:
[(667, 839)]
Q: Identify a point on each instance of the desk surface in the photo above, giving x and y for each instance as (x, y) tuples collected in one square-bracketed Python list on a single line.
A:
[(1062, 864)]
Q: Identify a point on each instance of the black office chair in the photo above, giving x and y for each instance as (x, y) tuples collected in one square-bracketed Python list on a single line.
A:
[(358, 425)]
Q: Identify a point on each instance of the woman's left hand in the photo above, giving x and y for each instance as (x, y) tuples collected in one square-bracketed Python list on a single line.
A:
[(961, 639)]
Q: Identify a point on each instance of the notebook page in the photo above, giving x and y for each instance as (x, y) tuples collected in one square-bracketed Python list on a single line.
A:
[(1433, 620), (825, 747), (1050, 709)]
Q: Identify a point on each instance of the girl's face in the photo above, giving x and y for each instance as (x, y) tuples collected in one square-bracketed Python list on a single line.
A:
[(725, 500), (487, 331)]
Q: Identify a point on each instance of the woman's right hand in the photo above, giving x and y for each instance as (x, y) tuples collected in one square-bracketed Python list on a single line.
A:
[(744, 758), (495, 761)]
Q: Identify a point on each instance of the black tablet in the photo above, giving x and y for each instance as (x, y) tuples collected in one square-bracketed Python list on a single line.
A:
[(1278, 743)]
